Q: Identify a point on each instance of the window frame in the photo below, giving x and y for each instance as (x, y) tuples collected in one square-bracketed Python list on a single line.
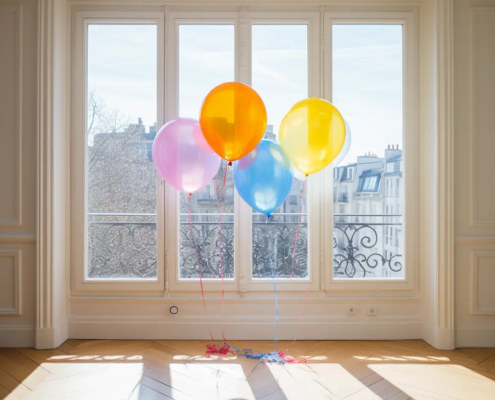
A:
[(243, 280), (409, 191), (313, 193), (80, 283), (320, 194)]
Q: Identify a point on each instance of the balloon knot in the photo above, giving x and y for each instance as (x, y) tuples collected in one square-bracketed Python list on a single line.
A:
[(307, 175), (230, 163), (268, 215)]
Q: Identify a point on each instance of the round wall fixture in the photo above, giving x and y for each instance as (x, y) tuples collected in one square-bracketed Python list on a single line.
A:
[(174, 310)]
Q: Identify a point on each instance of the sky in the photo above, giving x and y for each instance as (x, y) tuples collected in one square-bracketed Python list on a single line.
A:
[(366, 76)]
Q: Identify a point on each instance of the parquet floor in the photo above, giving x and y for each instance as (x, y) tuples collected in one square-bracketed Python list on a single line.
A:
[(116, 369)]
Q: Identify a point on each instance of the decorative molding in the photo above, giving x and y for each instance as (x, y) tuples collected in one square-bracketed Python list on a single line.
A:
[(17, 10), (445, 168), (476, 255), (16, 336), (475, 219), (49, 332), (244, 40), (101, 328), (17, 238), (475, 239), (475, 337), (45, 165), (284, 4), (16, 255), (167, 274), (166, 12)]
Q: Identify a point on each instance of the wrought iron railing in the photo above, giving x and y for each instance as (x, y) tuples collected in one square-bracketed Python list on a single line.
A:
[(124, 246), (121, 245), (360, 248)]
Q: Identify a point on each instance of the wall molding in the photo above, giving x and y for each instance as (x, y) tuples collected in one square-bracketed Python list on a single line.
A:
[(17, 238), (475, 337), (16, 255), (445, 168), (476, 255), (476, 220), (475, 239), (50, 297), (16, 336), (132, 329), (16, 220)]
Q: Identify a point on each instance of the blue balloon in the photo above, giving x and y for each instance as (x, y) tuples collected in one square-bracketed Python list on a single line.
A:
[(263, 177)]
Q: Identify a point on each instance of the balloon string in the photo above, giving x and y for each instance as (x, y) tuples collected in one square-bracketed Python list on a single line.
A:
[(297, 230), (197, 258), (275, 295), (307, 287), (220, 210)]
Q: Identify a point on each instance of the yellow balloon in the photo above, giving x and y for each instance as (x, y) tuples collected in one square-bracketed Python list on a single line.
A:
[(312, 134), (233, 120)]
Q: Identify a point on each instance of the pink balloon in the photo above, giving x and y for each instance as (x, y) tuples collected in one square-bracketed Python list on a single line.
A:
[(200, 139), (180, 159)]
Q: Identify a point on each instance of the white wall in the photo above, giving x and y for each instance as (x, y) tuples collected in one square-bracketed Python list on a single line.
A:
[(18, 92), (474, 47)]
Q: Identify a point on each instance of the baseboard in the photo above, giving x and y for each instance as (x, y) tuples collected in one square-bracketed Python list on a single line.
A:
[(475, 337), (439, 338), (244, 331), (16, 336), (50, 338)]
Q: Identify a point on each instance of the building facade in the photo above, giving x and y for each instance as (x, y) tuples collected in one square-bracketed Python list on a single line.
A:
[(368, 205)]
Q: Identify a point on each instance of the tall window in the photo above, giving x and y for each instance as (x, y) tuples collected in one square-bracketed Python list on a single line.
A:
[(280, 76), (206, 59), (133, 75), (121, 125), (367, 87)]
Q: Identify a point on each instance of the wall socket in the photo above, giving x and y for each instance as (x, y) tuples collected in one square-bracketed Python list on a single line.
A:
[(371, 311), (351, 310)]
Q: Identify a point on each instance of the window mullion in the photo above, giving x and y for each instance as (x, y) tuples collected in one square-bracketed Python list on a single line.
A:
[(243, 237)]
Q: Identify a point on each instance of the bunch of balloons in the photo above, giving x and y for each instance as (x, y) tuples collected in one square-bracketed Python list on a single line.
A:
[(232, 122)]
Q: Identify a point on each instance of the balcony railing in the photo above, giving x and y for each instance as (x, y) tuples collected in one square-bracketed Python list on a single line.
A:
[(124, 246), (206, 198), (121, 245), (358, 242)]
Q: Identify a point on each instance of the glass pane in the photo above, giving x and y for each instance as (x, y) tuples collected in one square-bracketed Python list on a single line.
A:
[(121, 126), (368, 236), (206, 59), (280, 76)]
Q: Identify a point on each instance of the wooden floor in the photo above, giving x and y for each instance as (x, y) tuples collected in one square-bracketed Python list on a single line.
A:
[(108, 369)]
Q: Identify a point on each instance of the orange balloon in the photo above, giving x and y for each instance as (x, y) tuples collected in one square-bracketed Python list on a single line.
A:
[(233, 120)]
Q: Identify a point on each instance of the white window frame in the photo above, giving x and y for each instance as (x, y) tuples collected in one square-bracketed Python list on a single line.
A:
[(409, 21), (174, 283), (80, 283), (319, 192), (243, 280)]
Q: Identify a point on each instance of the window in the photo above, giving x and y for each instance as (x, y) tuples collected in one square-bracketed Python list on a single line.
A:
[(206, 59), (121, 111), (364, 53), (131, 228), (280, 76)]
